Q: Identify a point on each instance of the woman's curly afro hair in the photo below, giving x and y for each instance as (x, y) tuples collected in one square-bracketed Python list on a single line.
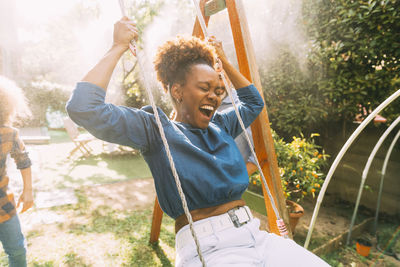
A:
[(175, 57)]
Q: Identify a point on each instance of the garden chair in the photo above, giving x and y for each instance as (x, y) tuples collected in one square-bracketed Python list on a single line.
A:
[(80, 140)]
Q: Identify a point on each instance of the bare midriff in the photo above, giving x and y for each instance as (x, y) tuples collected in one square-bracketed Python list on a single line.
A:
[(204, 213)]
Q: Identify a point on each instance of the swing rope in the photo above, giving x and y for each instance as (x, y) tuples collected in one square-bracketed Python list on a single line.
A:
[(281, 225), (135, 52), (133, 48)]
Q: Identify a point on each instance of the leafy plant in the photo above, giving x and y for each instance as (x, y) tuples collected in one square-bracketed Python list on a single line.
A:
[(294, 101), (301, 164), (44, 96), (144, 12), (356, 46), (351, 66)]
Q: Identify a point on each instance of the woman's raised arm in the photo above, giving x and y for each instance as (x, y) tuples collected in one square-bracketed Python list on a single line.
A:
[(237, 79), (124, 31)]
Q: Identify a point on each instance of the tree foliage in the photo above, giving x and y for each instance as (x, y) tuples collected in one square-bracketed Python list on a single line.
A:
[(352, 65), (174, 13), (357, 44), (44, 96), (143, 12), (295, 103)]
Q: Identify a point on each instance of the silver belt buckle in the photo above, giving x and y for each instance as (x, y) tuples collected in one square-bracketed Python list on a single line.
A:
[(239, 219)]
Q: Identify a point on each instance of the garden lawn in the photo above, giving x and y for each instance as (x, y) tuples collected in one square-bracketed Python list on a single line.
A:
[(54, 170), (109, 222)]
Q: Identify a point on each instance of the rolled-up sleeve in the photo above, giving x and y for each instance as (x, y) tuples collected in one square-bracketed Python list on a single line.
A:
[(19, 154), (249, 107), (117, 124)]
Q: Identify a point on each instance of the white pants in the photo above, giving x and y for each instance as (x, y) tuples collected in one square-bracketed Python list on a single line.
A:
[(241, 247)]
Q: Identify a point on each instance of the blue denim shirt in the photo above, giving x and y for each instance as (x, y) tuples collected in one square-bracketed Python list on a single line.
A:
[(240, 140), (210, 166)]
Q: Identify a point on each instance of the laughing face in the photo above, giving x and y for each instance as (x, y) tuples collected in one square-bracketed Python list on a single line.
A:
[(199, 97)]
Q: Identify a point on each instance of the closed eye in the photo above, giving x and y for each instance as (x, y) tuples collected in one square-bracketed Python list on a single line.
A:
[(220, 91)]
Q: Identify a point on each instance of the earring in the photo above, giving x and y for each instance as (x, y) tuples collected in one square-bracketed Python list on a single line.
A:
[(178, 100)]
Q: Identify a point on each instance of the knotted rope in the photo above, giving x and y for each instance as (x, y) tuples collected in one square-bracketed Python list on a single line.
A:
[(133, 48), (137, 53), (281, 225)]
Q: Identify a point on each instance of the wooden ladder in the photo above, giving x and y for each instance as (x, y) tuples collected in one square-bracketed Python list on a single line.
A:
[(262, 137)]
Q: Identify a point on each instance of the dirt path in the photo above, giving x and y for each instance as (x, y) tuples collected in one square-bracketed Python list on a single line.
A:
[(137, 194)]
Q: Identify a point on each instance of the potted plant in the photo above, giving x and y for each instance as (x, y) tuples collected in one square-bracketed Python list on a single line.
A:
[(363, 246), (300, 166), (296, 211)]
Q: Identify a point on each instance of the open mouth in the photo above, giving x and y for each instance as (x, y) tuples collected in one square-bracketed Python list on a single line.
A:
[(207, 110)]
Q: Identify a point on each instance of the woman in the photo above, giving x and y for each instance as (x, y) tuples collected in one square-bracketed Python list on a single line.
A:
[(11, 101), (210, 166)]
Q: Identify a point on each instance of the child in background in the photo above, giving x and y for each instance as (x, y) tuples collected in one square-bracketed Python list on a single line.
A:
[(12, 104)]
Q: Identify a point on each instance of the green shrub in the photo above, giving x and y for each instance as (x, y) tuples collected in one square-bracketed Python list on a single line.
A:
[(301, 164), (351, 65), (295, 103), (356, 46), (44, 96)]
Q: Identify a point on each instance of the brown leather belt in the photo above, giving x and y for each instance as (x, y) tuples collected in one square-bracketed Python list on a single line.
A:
[(203, 213)]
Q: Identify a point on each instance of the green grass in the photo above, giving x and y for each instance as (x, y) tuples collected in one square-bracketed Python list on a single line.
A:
[(315, 242), (386, 237), (58, 136), (81, 208), (133, 227), (57, 171), (43, 264), (34, 263), (338, 258), (72, 259), (332, 259), (389, 237), (3, 259), (129, 166), (127, 232), (103, 169)]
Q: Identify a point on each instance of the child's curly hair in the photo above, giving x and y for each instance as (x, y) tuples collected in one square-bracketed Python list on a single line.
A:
[(175, 57), (12, 101)]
